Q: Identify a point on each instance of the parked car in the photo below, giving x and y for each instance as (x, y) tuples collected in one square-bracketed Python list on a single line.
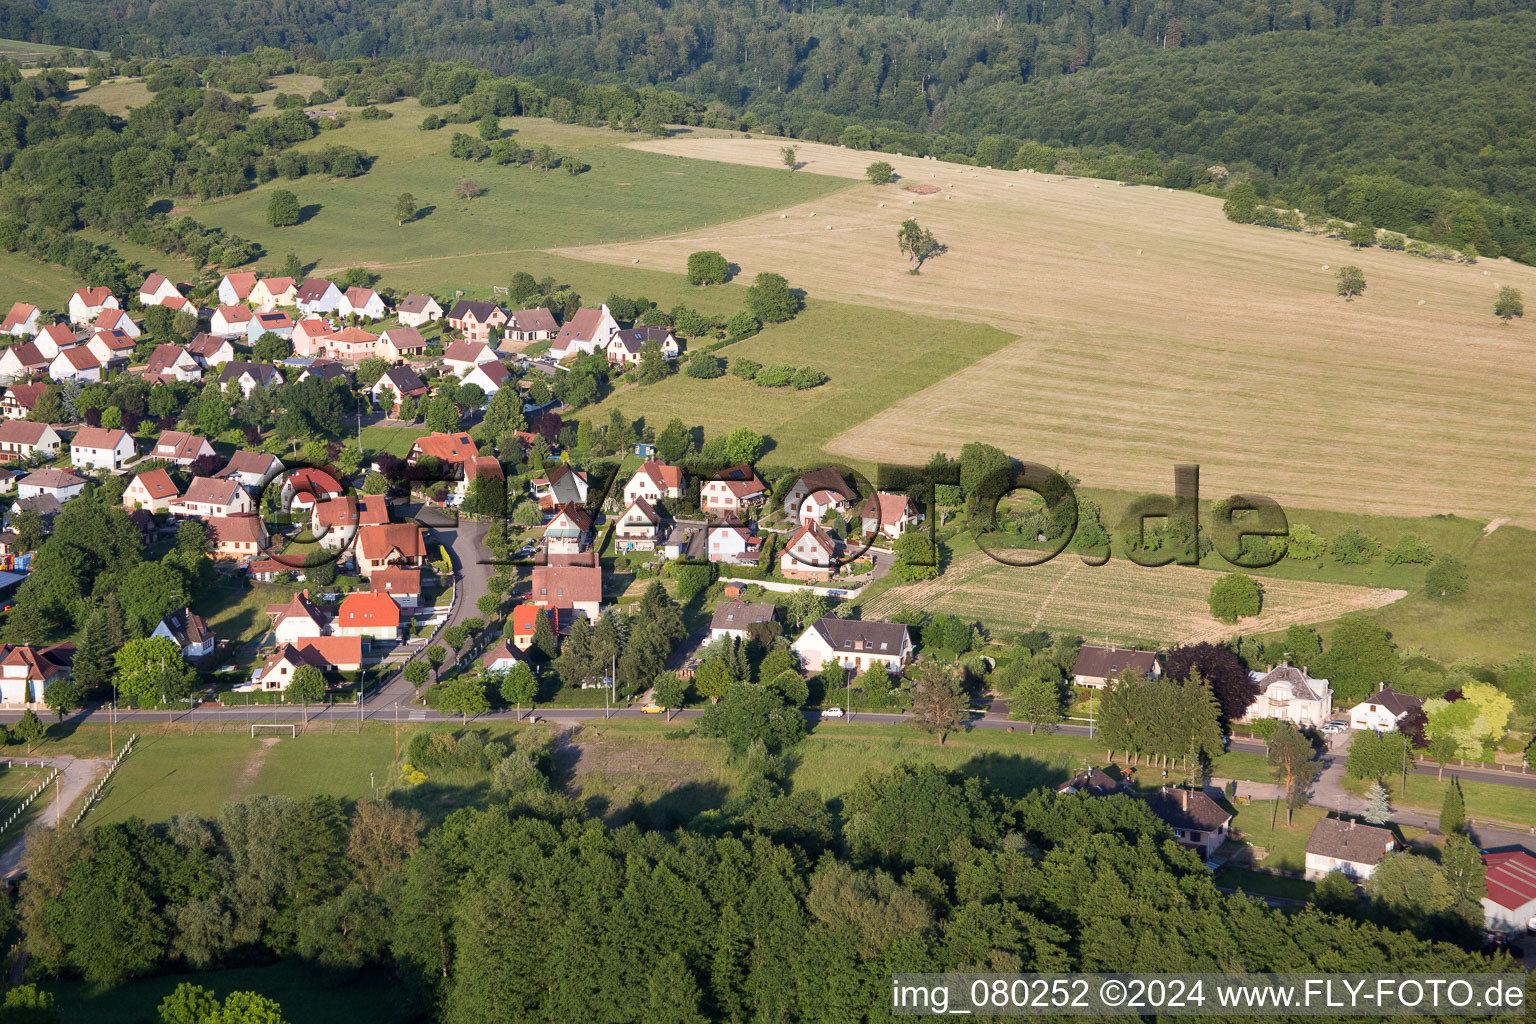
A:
[(832, 713), (652, 708), (1335, 726)]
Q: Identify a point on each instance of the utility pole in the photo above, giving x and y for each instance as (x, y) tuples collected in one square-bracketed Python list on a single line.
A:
[(397, 730)]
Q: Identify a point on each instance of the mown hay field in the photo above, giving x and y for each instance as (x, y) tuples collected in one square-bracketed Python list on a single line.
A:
[(1153, 331), (1124, 601)]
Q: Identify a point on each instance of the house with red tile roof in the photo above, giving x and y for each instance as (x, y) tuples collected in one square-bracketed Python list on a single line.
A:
[(448, 449), (156, 289), (655, 482), (390, 545), (209, 496), (329, 654), (171, 363), (154, 490), (86, 304), (525, 623), (270, 292), (732, 491), (237, 536), (297, 618), (210, 350), (100, 448), (403, 586), (19, 362), (76, 363), (588, 330), (367, 614), (116, 320), (236, 287), (21, 322), (21, 399), (25, 672), (889, 515), (397, 343), (231, 321), (317, 295), (180, 448), (362, 302), (417, 309), (811, 553), (21, 439), (576, 587)]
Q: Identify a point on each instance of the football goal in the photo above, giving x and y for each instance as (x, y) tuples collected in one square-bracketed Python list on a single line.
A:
[(290, 726)]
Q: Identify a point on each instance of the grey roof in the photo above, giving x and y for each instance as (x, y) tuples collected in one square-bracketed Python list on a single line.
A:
[(1187, 810), (1109, 662), (186, 627), (635, 337), (415, 303), (1348, 840), (1395, 701), (1301, 683), (1093, 781), (861, 635), (740, 614), (565, 486), (405, 380), (482, 310)]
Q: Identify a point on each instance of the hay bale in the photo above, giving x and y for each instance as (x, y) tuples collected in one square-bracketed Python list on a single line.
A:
[(813, 213), (1421, 302), (635, 260)]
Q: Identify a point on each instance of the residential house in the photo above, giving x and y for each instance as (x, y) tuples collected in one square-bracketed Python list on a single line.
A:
[(390, 545), (728, 542), (732, 492), (1291, 695), (58, 484), (309, 337), (489, 377), (210, 350), (189, 632), (1090, 782), (271, 292), (501, 657), (655, 482), (274, 322), (325, 369), (398, 382), (462, 356), (306, 486), (75, 364), (317, 295), (736, 618), (637, 528), (250, 376), (569, 532), (86, 304), (329, 654), (156, 289), (20, 400), (362, 302), (236, 288), (237, 536), (1348, 847), (153, 490), (367, 614), (352, 344), (403, 586), (450, 450), (397, 343), (113, 349), (889, 515), (209, 496), (297, 619), (20, 362), (25, 672), (527, 325), (811, 553), (1509, 879), (231, 321), (623, 348), (816, 492), (563, 486), (486, 467), (182, 449), (1383, 710), (46, 506), (474, 320), (116, 320), (855, 644), (21, 439), (335, 521), (588, 330), (53, 339), (417, 309), (1099, 666), (1198, 822), (372, 510), (575, 587), (250, 470), (171, 363), (525, 618), (100, 448), (21, 322)]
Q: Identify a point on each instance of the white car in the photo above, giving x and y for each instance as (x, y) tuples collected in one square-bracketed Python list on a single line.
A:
[(832, 713), (1334, 727)]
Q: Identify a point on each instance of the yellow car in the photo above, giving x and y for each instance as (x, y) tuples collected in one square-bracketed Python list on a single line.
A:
[(653, 708)]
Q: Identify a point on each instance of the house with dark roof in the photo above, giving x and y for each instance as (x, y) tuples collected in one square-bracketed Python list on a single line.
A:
[(171, 363), (1290, 694), (417, 309), (736, 618), (855, 644), (249, 376), (732, 491), (624, 347), (1090, 782), (528, 325), (21, 399), (826, 485), (637, 527), (474, 320), (189, 632), (1348, 847), (1383, 710), (1198, 822), (317, 295), (396, 383), (1099, 666)]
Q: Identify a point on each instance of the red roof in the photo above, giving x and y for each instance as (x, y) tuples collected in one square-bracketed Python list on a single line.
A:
[(241, 283), (373, 610), (454, 448), (378, 542), (666, 477), (235, 314), (158, 483), (1510, 877), (396, 581), (567, 585)]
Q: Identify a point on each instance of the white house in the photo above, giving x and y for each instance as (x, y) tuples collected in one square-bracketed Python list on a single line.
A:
[(589, 330), (75, 364), (399, 382), (731, 491), (531, 325), (488, 377), (417, 309), (211, 351), (182, 449), (21, 322), (810, 553), (889, 515), (730, 543), (317, 295), (86, 304), (116, 320), (855, 644), (112, 349), (624, 347), (208, 496), (156, 289), (397, 343), (820, 489), (655, 482), (1348, 847), (568, 532), (1291, 695), (236, 288), (172, 362), (735, 618), (637, 527), (1509, 879), (231, 321), (362, 302), (153, 490), (21, 439), (53, 339), (19, 362), (189, 632), (326, 653), (100, 448), (1099, 666), (249, 376), (462, 356), (58, 484), (25, 672), (367, 614), (250, 470), (297, 619), (1383, 710)]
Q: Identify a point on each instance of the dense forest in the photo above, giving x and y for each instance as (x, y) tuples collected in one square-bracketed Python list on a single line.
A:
[(768, 908)]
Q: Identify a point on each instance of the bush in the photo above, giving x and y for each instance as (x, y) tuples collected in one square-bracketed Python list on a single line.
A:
[(1446, 578), (705, 366), (1234, 596), (746, 369), (880, 173), (742, 324)]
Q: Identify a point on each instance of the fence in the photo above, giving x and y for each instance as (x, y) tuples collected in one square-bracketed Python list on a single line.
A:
[(21, 809), (90, 801)]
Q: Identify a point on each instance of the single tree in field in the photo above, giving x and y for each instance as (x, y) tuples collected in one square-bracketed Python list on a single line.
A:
[(1508, 304), (1441, 750), (30, 729), (1351, 282), (1453, 810), (1361, 234), (917, 243), (1290, 759), (940, 703), (880, 173), (308, 685), (518, 687), (282, 209), (1447, 577), (707, 267), (490, 128), (405, 208), (468, 189), (1234, 596), (790, 156), (1378, 806), (669, 691)]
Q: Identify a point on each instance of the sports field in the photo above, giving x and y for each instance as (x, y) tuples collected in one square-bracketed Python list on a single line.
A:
[(1153, 331)]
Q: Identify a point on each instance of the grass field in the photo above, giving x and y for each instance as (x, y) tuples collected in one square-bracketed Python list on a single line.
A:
[(1153, 331), (305, 996), (1128, 602), (1261, 884), (1483, 799), (873, 358), (115, 95), (239, 612), (24, 279)]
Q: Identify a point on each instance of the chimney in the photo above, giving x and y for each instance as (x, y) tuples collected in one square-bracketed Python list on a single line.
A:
[(1381, 686), (1184, 799)]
